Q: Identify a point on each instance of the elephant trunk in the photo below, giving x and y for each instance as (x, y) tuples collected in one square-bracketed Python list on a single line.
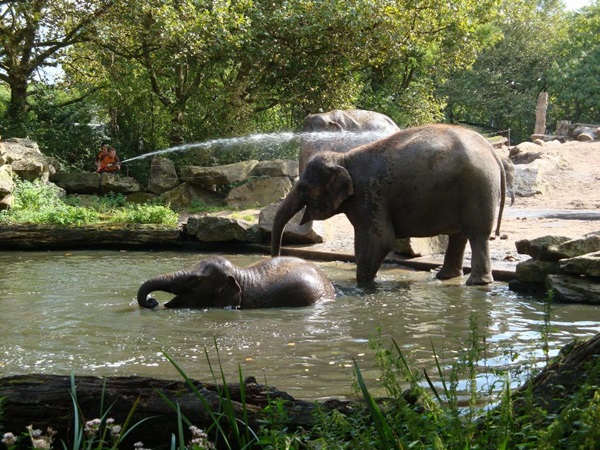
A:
[(290, 205), (160, 283)]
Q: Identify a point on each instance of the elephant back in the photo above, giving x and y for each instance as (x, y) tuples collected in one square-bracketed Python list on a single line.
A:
[(284, 282)]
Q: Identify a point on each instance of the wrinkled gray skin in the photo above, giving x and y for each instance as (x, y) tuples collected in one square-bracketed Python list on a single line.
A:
[(437, 179), (509, 170), (216, 282), (353, 120)]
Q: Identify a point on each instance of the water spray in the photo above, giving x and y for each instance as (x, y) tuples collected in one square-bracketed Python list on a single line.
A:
[(269, 139)]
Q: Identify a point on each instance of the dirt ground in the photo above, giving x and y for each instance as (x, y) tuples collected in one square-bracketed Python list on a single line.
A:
[(572, 173)]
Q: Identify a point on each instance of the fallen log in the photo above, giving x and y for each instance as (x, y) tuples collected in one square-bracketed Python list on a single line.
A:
[(122, 236), (577, 364), (45, 401)]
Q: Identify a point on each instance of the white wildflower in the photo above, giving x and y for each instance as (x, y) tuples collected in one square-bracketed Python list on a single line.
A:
[(9, 439)]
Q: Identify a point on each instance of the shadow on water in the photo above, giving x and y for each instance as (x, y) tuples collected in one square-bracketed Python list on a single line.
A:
[(77, 311)]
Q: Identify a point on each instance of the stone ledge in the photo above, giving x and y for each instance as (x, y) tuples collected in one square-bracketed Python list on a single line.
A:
[(48, 237)]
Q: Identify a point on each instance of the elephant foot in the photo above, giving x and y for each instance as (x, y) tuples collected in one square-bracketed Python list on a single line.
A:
[(446, 274), (480, 280)]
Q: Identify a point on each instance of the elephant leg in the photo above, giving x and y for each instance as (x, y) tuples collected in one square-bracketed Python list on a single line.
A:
[(370, 250), (481, 266), (453, 259)]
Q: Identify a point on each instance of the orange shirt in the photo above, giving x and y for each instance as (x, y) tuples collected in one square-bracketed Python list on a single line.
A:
[(109, 163)]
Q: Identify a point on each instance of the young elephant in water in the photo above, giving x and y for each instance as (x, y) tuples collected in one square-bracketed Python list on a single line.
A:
[(216, 282)]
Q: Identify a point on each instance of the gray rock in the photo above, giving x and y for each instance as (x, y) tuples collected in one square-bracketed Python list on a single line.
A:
[(259, 192), (78, 183), (163, 176), (186, 194), (6, 182), (542, 248), (574, 289), (421, 246), (217, 175), (276, 168), (93, 183), (6, 202), (120, 185), (587, 265), (525, 158), (529, 179), (524, 147), (141, 198), (223, 227), (314, 232), (577, 247), (536, 271), (26, 159)]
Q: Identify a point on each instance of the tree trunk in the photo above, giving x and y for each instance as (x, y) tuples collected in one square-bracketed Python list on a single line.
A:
[(561, 378), (540, 113), (45, 401), (18, 106)]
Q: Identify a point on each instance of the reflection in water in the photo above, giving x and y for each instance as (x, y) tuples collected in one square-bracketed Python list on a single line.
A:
[(77, 311)]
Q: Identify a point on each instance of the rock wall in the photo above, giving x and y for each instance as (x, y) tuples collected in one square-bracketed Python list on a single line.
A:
[(23, 158), (569, 268)]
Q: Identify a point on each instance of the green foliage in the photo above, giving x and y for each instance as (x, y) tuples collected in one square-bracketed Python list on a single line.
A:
[(36, 202), (575, 77), (147, 214), (500, 90)]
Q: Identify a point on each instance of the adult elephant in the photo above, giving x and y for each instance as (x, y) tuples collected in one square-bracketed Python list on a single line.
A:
[(338, 120), (425, 181), (216, 282)]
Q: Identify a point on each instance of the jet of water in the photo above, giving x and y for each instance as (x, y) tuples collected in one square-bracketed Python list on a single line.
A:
[(270, 139)]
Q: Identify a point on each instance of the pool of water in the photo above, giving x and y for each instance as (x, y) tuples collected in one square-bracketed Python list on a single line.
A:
[(76, 311)]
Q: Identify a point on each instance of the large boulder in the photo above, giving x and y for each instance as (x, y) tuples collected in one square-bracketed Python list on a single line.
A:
[(94, 183), (536, 271), (413, 247), (225, 227), (217, 175), (578, 247), (78, 183), (574, 289), (26, 160), (163, 176), (314, 232), (258, 192), (186, 194), (6, 202), (6, 182), (276, 168), (110, 182), (529, 179), (542, 248), (587, 265)]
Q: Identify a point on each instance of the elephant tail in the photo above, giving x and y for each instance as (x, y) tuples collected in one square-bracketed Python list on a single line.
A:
[(502, 194)]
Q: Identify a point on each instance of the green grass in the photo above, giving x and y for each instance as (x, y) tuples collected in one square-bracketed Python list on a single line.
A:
[(38, 203)]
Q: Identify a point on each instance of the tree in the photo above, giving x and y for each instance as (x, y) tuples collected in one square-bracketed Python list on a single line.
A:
[(500, 91), (576, 75), (33, 33), (211, 68)]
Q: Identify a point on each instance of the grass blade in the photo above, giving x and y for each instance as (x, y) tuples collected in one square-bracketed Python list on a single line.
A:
[(386, 435)]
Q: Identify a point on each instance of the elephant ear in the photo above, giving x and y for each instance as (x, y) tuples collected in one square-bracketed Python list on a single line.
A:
[(228, 294), (340, 185)]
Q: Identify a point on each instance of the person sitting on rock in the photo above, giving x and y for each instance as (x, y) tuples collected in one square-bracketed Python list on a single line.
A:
[(101, 154), (110, 162)]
